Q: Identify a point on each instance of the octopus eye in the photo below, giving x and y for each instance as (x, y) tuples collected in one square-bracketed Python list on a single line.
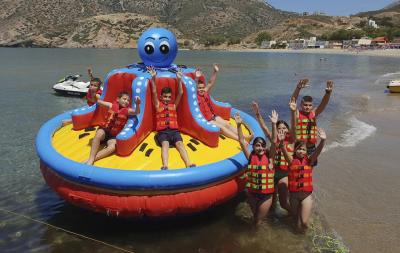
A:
[(149, 48), (164, 47)]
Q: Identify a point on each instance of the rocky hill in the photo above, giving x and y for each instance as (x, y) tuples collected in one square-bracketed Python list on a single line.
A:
[(118, 23), (197, 24)]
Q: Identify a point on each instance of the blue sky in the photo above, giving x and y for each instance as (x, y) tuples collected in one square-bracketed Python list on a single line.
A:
[(331, 7)]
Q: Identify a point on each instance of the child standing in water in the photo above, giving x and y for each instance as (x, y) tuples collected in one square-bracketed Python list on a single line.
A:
[(167, 120), (280, 163), (300, 177), (116, 119), (260, 171), (306, 117)]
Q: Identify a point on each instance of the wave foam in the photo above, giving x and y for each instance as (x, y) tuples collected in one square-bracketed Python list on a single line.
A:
[(391, 74), (358, 131)]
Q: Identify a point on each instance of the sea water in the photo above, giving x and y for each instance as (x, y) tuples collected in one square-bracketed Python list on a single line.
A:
[(33, 218)]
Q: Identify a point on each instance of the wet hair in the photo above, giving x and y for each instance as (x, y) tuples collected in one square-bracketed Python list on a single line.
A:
[(298, 144), (282, 122), (166, 90), (261, 140), (124, 93), (97, 80), (306, 99)]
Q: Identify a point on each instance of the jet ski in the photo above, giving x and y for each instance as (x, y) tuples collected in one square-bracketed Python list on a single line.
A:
[(71, 86)]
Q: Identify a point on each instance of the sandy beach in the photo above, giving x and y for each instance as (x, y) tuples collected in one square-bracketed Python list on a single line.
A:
[(377, 52), (357, 186)]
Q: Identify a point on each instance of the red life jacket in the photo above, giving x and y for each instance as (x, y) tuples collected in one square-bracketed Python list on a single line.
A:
[(167, 118), (206, 106), (260, 177), (306, 127), (91, 100), (115, 119), (300, 175), (280, 162)]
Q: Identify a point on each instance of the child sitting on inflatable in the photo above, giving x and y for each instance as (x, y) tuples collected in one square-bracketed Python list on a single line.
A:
[(94, 91), (260, 171), (300, 177), (306, 117), (93, 94), (115, 121), (167, 120), (206, 107), (280, 163)]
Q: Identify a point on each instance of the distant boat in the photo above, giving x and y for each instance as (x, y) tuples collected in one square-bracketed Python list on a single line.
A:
[(71, 86), (394, 86)]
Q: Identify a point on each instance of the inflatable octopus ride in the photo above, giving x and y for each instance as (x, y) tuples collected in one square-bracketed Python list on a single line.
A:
[(130, 182)]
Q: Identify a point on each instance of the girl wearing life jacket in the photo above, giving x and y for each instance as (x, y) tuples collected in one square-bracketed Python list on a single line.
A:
[(206, 106), (114, 122), (260, 171), (300, 177), (280, 163)]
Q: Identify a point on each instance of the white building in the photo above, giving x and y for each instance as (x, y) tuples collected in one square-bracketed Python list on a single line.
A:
[(267, 44), (372, 23)]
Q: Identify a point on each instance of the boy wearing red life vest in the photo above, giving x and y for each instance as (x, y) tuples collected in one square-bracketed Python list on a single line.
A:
[(93, 94), (260, 171), (114, 122), (306, 118), (167, 120), (300, 177), (206, 107), (94, 91)]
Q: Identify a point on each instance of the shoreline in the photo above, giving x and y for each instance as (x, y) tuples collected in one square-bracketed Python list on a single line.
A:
[(394, 53), (368, 52)]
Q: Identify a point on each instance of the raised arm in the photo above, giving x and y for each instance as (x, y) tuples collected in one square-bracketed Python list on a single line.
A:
[(180, 88), (322, 135), (256, 110), (137, 107), (90, 73), (303, 83), (293, 119), (281, 138), (325, 99), (242, 142), (197, 75), (274, 119), (213, 77), (154, 96)]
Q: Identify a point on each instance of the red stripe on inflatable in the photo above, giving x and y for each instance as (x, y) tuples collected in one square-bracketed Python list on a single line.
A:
[(135, 206)]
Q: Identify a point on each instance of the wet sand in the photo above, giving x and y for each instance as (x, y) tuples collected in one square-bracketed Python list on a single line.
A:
[(357, 187)]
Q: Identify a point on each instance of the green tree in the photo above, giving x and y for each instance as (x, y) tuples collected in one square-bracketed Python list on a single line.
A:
[(262, 36)]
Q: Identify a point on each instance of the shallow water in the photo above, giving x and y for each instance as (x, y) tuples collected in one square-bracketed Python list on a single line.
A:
[(26, 77)]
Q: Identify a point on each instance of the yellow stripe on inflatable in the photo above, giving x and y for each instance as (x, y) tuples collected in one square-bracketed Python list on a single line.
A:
[(67, 142)]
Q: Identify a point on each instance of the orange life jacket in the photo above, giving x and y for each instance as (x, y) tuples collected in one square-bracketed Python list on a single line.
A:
[(306, 127), (91, 100), (280, 162), (115, 119), (260, 177), (206, 106), (300, 175), (167, 118)]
